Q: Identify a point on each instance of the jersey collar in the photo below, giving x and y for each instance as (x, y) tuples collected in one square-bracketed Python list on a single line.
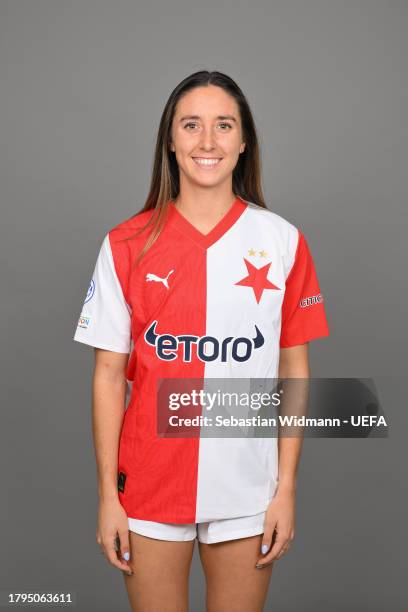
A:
[(206, 240)]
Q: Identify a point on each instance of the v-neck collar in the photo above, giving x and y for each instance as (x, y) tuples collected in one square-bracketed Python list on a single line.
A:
[(223, 225)]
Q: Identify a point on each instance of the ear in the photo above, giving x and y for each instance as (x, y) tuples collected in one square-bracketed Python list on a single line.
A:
[(242, 147)]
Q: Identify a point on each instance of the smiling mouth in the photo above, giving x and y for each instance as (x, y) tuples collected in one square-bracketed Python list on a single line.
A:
[(207, 162)]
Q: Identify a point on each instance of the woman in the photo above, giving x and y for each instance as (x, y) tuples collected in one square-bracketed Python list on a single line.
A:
[(204, 282)]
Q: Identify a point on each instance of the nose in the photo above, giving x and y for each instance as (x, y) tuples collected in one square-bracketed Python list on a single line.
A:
[(207, 139)]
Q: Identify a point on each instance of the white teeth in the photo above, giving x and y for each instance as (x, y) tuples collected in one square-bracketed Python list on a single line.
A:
[(206, 162)]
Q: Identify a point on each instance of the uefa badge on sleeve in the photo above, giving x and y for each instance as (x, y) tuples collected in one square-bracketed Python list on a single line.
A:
[(84, 321)]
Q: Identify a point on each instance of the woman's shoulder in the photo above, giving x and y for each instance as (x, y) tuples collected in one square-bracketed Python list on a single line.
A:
[(128, 226), (136, 221), (125, 238), (272, 221)]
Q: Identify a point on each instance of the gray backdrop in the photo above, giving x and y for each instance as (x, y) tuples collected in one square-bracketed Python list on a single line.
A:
[(83, 84)]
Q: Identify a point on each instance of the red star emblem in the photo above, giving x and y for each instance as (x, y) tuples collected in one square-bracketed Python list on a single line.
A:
[(257, 279)]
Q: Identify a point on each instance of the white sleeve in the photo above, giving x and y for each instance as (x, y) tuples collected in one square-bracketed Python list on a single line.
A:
[(105, 319)]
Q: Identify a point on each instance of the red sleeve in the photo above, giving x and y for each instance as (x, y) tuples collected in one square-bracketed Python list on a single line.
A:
[(303, 313)]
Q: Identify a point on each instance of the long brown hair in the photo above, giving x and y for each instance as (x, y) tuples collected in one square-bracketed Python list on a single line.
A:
[(165, 181)]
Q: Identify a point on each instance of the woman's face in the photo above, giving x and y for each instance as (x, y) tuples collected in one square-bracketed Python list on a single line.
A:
[(207, 136)]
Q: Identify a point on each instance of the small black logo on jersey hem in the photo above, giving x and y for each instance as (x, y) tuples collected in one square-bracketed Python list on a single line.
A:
[(121, 482)]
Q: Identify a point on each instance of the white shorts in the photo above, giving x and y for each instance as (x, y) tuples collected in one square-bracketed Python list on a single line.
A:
[(208, 533)]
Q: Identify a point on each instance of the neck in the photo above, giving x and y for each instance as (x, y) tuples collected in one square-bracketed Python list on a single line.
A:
[(198, 202)]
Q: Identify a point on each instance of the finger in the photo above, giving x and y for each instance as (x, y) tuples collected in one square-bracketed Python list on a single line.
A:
[(264, 561), (267, 537), (286, 546), (112, 557), (262, 565), (124, 546), (281, 541), (122, 565), (284, 550), (271, 556)]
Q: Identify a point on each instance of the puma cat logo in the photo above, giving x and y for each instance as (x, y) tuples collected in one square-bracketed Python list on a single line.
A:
[(154, 277)]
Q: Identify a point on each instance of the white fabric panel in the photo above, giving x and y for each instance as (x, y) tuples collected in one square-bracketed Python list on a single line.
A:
[(240, 474), (105, 319)]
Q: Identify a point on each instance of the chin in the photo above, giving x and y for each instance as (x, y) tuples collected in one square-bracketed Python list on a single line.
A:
[(208, 183)]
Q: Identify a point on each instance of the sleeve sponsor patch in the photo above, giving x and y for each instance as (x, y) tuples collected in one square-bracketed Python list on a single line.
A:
[(309, 301)]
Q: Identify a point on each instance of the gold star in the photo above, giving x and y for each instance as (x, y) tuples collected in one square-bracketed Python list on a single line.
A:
[(251, 252), (263, 253)]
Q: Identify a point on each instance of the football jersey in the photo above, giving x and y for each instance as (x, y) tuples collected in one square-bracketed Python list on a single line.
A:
[(199, 306)]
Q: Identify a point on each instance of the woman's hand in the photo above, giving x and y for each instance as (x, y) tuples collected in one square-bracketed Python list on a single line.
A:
[(113, 523), (280, 516)]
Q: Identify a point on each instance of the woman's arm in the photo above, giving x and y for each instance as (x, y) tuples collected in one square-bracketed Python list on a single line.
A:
[(280, 516), (108, 407), (293, 363), (109, 389)]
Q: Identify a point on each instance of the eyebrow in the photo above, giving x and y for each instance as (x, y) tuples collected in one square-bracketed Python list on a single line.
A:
[(222, 117)]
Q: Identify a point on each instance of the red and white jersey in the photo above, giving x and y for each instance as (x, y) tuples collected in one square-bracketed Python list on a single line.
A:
[(242, 291)]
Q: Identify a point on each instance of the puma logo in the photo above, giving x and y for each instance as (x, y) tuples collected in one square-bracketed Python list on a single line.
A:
[(154, 277)]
